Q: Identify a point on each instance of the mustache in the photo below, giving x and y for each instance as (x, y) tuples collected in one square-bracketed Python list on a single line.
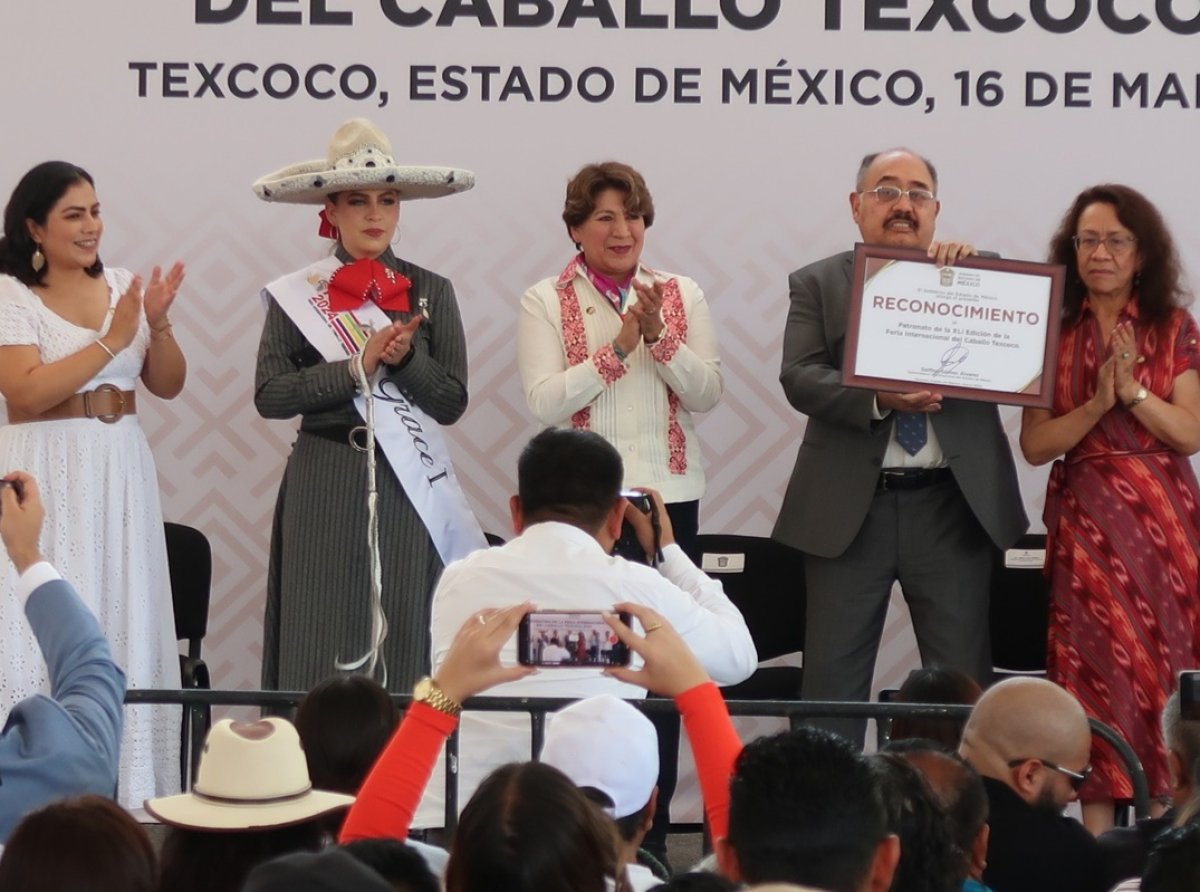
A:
[(901, 215)]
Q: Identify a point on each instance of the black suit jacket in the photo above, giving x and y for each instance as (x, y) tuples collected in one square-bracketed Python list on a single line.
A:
[(1036, 850)]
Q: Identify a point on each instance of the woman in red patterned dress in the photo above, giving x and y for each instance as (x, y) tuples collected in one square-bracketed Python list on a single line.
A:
[(1123, 506)]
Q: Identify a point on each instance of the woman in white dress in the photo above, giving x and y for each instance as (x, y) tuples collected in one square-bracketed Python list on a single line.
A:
[(74, 338)]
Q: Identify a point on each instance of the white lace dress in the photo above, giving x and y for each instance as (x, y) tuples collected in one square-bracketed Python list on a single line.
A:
[(103, 532)]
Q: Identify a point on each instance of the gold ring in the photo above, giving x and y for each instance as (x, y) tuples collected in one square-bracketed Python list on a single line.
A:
[(1125, 355), (653, 627), (482, 620)]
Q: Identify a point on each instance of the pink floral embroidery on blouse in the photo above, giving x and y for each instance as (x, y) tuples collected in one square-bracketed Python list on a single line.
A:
[(575, 340), (674, 333)]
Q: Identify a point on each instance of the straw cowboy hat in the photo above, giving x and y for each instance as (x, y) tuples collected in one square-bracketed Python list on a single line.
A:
[(360, 157), (252, 776)]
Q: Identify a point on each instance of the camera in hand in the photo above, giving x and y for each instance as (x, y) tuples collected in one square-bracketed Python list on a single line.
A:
[(628, 545), (564, 639), (639, 500)]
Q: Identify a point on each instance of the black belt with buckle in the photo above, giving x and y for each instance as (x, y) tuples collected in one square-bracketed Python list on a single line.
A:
[(911, 478), (347, 435)]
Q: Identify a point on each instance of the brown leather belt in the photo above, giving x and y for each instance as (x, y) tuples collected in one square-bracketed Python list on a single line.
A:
[(106, 403)]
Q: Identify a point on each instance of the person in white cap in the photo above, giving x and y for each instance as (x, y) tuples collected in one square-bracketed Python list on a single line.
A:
[(368, 349), (609, 750)]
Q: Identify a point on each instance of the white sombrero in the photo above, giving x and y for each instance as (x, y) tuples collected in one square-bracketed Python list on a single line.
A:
[(360, 157), (252, 776)]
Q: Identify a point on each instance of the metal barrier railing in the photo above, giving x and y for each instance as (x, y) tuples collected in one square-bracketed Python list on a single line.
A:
[(795, 711)]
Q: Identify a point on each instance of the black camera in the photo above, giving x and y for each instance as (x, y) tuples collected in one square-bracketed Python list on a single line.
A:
[(639, 500)]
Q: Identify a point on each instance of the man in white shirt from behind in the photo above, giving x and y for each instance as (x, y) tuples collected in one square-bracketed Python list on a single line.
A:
[(567, 514)]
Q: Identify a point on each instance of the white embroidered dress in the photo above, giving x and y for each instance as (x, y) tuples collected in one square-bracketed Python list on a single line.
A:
[(103, 532)]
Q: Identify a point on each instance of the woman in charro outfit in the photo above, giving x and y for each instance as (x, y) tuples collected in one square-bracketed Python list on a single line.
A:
[(1123, 506), (75, 337), (323, 612)]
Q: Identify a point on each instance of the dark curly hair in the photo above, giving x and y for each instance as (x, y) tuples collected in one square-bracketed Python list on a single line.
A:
[(592, 179), (1160, 289)]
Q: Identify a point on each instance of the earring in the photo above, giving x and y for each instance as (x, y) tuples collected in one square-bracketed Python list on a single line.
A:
[(38, 260)]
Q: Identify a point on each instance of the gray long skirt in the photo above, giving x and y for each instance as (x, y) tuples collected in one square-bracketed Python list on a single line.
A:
[(318, 585)]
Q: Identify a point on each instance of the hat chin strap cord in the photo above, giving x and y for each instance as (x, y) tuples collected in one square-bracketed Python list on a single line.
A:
[(370, 663)]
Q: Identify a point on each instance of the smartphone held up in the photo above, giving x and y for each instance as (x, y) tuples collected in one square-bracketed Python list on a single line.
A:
[(570, 639)]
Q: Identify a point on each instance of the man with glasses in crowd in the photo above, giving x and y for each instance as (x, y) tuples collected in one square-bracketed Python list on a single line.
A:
[(1030, 741), (888, 486)]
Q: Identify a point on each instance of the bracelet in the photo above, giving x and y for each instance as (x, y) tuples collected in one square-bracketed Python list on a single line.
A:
[(650, 343), (162, 327), (621, 354), (1139, 397), (357, 372), (106, 349), (161, 334)]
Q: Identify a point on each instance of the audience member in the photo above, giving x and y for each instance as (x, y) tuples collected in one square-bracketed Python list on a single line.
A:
[(1030, 740), (252, 801), (402, 865), (610, 751), (697, 881), (959, 789), (806, 808), (65, 744), (527, 826), (505, 823), (934, 684), (86, 844), (529, 829), (1174, 863), (333, 870), (567, 514), (1127, 848), (344, 723), (929, 860)]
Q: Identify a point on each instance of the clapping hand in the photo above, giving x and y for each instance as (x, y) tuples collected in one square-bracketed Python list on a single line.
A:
[(648, 309), (1123, 354), (126, 316), (160, 294)]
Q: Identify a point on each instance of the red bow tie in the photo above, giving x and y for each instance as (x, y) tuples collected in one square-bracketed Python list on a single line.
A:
[(355, 283)]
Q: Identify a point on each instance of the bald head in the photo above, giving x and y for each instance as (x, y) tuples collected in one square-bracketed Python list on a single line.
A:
[(1025, 718)]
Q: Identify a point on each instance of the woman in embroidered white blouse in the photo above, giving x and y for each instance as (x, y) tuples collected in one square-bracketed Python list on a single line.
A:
[(614, 346)]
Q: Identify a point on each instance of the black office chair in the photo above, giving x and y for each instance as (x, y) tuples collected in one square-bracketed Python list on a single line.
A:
[(765, 580), (189, 560), (1020, 608)]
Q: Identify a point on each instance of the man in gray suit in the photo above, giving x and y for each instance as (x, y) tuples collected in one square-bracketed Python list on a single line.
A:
[(888, 486)]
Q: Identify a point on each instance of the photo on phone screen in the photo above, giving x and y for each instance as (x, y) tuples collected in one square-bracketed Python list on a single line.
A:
[(570, 639)]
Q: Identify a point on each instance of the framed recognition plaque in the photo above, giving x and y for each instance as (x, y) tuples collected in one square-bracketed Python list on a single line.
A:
[(984, 329)]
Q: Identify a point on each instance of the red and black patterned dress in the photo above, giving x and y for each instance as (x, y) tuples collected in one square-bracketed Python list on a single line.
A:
[(1123, 515)]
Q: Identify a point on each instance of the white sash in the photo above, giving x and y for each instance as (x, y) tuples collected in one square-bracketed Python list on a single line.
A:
[(411, 440)]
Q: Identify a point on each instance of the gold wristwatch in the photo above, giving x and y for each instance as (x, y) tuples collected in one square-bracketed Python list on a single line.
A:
[(427, 692), (1139, 397)]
